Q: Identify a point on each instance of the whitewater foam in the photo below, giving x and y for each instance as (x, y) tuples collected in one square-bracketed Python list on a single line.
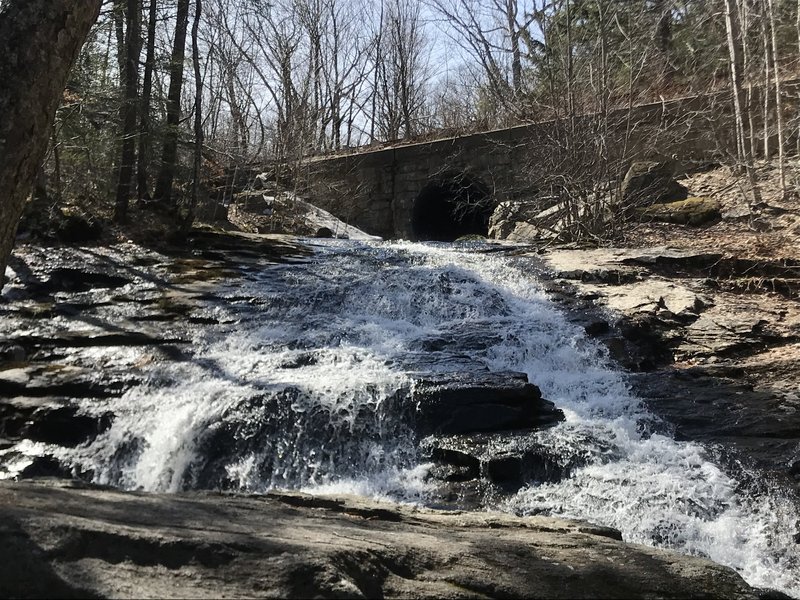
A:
[(299, 391)]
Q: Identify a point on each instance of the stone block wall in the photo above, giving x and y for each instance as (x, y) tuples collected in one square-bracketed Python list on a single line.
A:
[(376, 190)]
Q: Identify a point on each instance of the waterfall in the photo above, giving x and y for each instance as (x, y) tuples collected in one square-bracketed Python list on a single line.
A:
[(301, 387)]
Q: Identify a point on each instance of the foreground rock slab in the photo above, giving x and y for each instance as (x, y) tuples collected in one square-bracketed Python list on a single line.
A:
[(67, 540)]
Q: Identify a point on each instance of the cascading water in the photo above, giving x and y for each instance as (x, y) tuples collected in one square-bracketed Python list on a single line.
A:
[(300, 390)]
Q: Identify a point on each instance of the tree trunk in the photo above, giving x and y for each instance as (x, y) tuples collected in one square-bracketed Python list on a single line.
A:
[(130, 77), (778, 99), (198, 120), (516, 55), (734, 35), (766, 93), (142, 192), (118, 13), (747, 60), (663, 39), (39, 40), (735, 62), (169, 155), (569, 74)]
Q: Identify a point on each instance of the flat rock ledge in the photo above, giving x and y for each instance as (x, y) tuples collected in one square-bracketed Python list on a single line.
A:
[(62, 539)]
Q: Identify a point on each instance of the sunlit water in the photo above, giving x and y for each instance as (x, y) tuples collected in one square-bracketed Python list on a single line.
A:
[(300, 391)]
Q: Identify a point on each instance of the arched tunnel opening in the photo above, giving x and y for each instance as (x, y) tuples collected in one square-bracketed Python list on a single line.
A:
[(448, 209)]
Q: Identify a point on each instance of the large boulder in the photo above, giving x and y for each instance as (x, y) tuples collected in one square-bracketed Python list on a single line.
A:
[(71, 542), (546, 224), (527, 221), (507, 215), (545, 218), (69, 224), (691, 211), (648, 182), (284, 212)]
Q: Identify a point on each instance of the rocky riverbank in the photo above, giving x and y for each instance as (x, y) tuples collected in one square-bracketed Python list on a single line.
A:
[(704, 316), (712, 342)]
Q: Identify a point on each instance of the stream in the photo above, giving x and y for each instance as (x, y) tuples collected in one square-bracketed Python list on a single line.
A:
[(296, 387)]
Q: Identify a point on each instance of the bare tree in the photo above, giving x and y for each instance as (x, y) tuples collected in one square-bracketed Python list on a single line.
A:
[(142, 186), (198, 119), (169, 154), (130, 77), (401, 71), (491, 34), (778, 100)]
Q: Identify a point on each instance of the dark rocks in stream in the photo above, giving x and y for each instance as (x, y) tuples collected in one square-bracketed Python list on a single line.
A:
[(480, 464), (469, 403), (472, 402), (49, 420)]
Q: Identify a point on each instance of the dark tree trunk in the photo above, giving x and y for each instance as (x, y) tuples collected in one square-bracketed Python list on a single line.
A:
[(130, 78), (663, 38), (118, 12), (516, 54), (169, 155), (39, 40), (198, 119), (147, 91)]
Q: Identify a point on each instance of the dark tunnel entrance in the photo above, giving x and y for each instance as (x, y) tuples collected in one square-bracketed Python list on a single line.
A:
[(448, 209)]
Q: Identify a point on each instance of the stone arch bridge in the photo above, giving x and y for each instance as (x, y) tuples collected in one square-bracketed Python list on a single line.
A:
[(442, 189)]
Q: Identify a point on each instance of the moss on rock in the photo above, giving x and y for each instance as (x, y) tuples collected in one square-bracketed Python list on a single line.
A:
[(692, 211)]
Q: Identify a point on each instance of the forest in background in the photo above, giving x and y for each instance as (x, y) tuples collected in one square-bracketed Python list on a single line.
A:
[(169, 94)]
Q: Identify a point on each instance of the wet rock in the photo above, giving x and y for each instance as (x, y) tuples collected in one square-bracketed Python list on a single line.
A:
[(254, 428), (59, 380), (49, 420), (44, 466), (506, 470), (460, 341), (451, 473), (65, 426), (708, 407), (13, 353), (643, 344), (598, 327), (77, 228), (112, 544), (66, 279), (452, 464), (451, 403), (324, 232), (503, 462), (305, 359), (78, 339)]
